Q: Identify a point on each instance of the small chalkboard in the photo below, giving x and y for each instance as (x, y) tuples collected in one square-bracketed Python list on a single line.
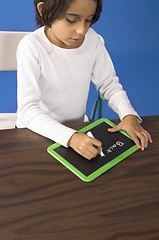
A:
[(116, 147)]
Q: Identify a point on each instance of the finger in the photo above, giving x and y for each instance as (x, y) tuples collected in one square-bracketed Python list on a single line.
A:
[(95, 142), (89, 152), (145, 134), (114, 129), (97, 147), (82, 150), (93, 150), (135, 139), (86, 154), (96, 150), (149, 137), (143, 140), (88, 157)]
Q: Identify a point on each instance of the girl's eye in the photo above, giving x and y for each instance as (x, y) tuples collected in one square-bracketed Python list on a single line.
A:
[(89, 21), (70, 21), (74, 21)]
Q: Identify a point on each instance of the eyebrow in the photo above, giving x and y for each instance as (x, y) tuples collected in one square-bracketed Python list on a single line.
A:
[(77, 15)]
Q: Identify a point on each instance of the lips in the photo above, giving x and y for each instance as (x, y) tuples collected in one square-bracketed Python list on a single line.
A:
[(76, 39)]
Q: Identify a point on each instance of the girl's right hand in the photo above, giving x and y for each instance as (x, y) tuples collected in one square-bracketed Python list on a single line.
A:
[(86, 146)]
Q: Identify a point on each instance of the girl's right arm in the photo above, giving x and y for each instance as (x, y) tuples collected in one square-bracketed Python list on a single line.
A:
[(29, 113)]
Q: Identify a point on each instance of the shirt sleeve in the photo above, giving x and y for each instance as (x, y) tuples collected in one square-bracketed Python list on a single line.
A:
[(107, 83), (29, 95)]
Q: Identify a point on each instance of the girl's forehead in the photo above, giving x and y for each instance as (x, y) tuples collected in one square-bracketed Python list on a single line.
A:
[(82, 7)]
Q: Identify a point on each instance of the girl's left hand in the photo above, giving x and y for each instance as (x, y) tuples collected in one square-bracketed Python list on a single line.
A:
[(131, 125)]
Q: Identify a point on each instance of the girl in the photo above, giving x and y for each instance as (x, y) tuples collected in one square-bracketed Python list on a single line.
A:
[(55, 66)]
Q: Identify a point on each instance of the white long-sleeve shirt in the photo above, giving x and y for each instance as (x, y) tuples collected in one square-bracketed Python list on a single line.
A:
[(53, 84)]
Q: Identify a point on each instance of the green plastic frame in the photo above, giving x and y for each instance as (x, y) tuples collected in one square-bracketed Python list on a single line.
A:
[(101, 170)]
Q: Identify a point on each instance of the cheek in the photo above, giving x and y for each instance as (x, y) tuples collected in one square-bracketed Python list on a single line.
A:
[(62, 30)]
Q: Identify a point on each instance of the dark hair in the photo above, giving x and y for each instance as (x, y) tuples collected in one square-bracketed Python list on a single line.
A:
[(55, 9)]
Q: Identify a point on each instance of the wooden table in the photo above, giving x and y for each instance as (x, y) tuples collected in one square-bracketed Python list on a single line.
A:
[(41, 199)]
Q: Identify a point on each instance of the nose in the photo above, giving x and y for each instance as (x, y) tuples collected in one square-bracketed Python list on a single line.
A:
[(81, 29)]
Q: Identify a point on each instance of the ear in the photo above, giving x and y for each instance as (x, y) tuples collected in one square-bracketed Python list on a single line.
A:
[(40, 8)]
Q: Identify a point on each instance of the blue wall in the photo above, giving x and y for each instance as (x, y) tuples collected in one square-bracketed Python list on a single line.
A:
[(131, 32)]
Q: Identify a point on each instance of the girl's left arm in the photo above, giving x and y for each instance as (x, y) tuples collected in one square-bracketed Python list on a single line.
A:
[(107, 83)]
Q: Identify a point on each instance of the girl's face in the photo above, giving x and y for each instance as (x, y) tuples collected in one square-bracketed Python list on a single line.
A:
[(69, 32)]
